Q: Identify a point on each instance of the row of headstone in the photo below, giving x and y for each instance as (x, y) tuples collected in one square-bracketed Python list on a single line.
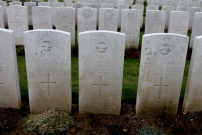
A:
[(64, 20), (101, 58), (156, 21)]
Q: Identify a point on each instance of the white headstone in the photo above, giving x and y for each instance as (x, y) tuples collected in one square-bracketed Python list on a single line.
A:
[(141, 8), (129, 2), (107, 1), (163, 58), (120, 8), (18, 21), (193, 11), (65, 20), (44, 4), (197, 28), (87, 19), (101, 60), (51, 1), (198, 4), (155, 21), (54, 5), (141, 2), (108, 19), (2, 23), (107, 5), (29, 6), (167, 9), (77, 6), (94, 5), (15, 3), (94, 1), (181, 8), (42, 17), (130, 26), (174, 5), (192, 99), (48, 62), (182, 3), (82, 1), (155, 2), (4, 5), (152, 7), (68, 3), (9, 79), (121, 2), (179, 22)]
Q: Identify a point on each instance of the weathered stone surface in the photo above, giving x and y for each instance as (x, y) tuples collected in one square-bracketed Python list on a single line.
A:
[(42, 17), (155, 21), (129, 2), (29, 6), (108, 1), (197, 28), (4, 5), (107, 5), (51, 1), (54, 5), (48, 62), (120, 8), (101, 60), (2, 23), (108, 19), (179, 22), (15, 3), (9, 79), (167, 9), (192, 99), (18, 21), (68, 3), (152, 7), (44, 4), (141, 2), (87, 19), (77, 6), (65, 20), (181, 8), (163, 58), (130, 26), (193, 11), (141, 8)]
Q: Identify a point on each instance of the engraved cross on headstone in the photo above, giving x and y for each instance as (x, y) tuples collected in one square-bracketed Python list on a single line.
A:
[(17, 24), (100, 85), (49, 82), (160, 87), (129, 36)]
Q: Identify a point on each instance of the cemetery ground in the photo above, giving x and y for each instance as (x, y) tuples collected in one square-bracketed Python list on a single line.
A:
[(11, 120)]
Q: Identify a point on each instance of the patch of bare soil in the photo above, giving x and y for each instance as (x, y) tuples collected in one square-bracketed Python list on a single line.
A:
[(125, 124)]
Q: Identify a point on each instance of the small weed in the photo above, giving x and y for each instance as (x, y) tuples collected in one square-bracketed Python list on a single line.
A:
[(50, 122), (150, 131)]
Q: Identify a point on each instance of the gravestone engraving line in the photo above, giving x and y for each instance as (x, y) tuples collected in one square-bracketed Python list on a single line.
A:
[(160, 86), (100, 85), (49, 82)]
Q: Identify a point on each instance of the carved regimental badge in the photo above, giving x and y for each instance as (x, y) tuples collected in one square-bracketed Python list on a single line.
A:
[(101, 46), (46, 41)]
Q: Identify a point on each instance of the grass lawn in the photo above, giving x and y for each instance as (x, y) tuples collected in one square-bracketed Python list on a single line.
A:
[(130, 79)]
